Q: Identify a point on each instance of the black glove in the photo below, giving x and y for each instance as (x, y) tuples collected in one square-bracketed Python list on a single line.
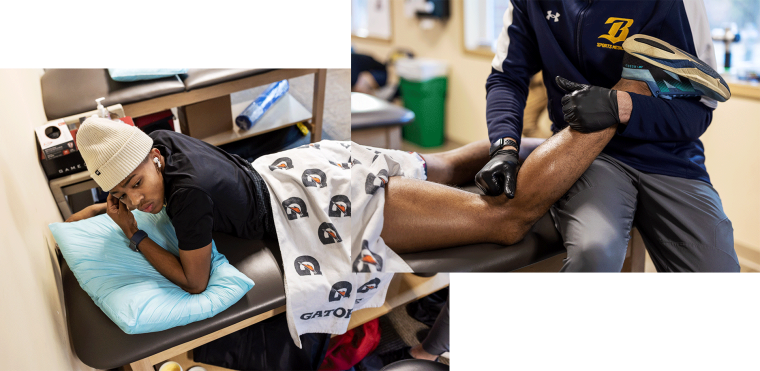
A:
[(499, 175), (588, 108)]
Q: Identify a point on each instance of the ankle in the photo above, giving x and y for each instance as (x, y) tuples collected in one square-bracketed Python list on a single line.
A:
[(419, 353)]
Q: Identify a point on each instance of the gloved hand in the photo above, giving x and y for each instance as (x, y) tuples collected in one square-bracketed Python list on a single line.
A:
[(499, 175), (588, 108)]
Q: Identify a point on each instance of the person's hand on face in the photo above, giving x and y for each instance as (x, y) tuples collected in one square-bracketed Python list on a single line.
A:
[(121, 215)]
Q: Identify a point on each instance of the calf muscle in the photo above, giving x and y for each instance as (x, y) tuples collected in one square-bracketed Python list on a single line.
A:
[(423, 216)]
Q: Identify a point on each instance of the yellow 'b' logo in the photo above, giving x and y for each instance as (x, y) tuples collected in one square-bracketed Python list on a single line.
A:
[(619, 30)]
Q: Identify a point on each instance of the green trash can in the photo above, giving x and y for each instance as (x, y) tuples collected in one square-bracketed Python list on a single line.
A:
[(427, 100)]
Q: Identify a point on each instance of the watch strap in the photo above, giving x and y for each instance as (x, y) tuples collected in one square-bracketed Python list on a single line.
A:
[(499, 144), (136, 239)]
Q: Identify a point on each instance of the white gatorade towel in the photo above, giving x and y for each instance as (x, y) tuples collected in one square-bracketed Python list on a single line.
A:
[(327, 204)]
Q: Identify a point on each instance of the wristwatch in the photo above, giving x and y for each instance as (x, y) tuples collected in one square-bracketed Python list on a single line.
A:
[(499, 144), (136, 239)]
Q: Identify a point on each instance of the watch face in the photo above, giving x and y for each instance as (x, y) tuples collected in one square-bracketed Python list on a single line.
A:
[(496, 146)]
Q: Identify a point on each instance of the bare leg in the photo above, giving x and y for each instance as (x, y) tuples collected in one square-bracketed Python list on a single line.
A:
[(423, 216), (457, 166), (365, 83)]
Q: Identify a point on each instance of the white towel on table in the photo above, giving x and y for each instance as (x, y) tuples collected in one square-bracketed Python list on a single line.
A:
[(327, 204)]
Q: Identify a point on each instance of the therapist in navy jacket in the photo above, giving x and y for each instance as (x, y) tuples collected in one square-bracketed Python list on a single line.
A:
[(652, 175)]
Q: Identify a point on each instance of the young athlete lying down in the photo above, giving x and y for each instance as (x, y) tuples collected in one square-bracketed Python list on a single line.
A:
[(332, 205), (205, 189)]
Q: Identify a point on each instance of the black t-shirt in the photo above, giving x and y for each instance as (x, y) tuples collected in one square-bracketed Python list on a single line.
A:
[(207, 189)]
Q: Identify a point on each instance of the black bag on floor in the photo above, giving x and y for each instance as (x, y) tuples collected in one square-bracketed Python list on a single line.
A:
[(266, 345)]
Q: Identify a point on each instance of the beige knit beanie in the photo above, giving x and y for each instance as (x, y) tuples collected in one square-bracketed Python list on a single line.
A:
[(111, 150)]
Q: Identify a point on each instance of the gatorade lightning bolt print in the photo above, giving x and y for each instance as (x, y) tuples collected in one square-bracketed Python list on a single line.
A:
[(314, 178), (339, 206), (295, 208), (375, 182), (342, 165), (307, 266), (371, 285), (367, 260), (312, 194), (327, 234), (282, 163), (339, 291)]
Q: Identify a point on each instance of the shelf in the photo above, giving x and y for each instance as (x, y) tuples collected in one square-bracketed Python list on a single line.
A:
[(744, 89), (287, 112)]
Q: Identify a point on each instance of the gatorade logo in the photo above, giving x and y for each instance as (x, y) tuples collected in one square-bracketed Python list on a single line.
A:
[(295, 208), (337, 312), (371, 285), (307, 266), (342, 165), (367, 260), (314, 178), (354, 162), (375, 182), (327, 234), (377, 153), (339, 206), (346, 145), (339, 291), (282, 163)]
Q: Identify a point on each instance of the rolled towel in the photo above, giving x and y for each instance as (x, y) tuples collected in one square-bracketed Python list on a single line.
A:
[(252, 114)]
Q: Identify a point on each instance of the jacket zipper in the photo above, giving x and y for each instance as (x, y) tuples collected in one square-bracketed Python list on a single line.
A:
[(578, 38)]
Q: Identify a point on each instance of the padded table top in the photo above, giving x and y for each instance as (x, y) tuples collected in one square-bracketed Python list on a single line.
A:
[(67, 92), (99, 343), (542, 242), (368, 111), (197, 78)]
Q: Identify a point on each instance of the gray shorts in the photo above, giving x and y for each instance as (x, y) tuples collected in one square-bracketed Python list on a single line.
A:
[(681, 221)]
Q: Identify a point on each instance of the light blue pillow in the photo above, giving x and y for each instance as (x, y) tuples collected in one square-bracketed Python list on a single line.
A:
[(137, 74), (128, 289)]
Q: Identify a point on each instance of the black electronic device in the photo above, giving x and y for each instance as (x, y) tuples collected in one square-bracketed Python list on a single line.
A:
[(438, 9)]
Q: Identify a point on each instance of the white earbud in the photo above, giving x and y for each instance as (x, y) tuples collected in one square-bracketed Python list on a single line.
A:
[(155, 159)]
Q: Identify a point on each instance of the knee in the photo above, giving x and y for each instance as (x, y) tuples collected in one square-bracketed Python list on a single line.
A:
[(514, 231), (597, 255)]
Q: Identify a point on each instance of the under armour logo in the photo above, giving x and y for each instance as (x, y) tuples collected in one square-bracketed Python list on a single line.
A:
[(549, 16)]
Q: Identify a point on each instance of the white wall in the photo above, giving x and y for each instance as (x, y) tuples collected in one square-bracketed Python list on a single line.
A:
[(34, 335), (466, 95), (733, 162)]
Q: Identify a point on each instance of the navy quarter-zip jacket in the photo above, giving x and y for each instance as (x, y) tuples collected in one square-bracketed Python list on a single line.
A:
[(581, 41)]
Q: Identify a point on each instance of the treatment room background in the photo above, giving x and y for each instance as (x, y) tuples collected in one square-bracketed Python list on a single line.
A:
[(464, 40)]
